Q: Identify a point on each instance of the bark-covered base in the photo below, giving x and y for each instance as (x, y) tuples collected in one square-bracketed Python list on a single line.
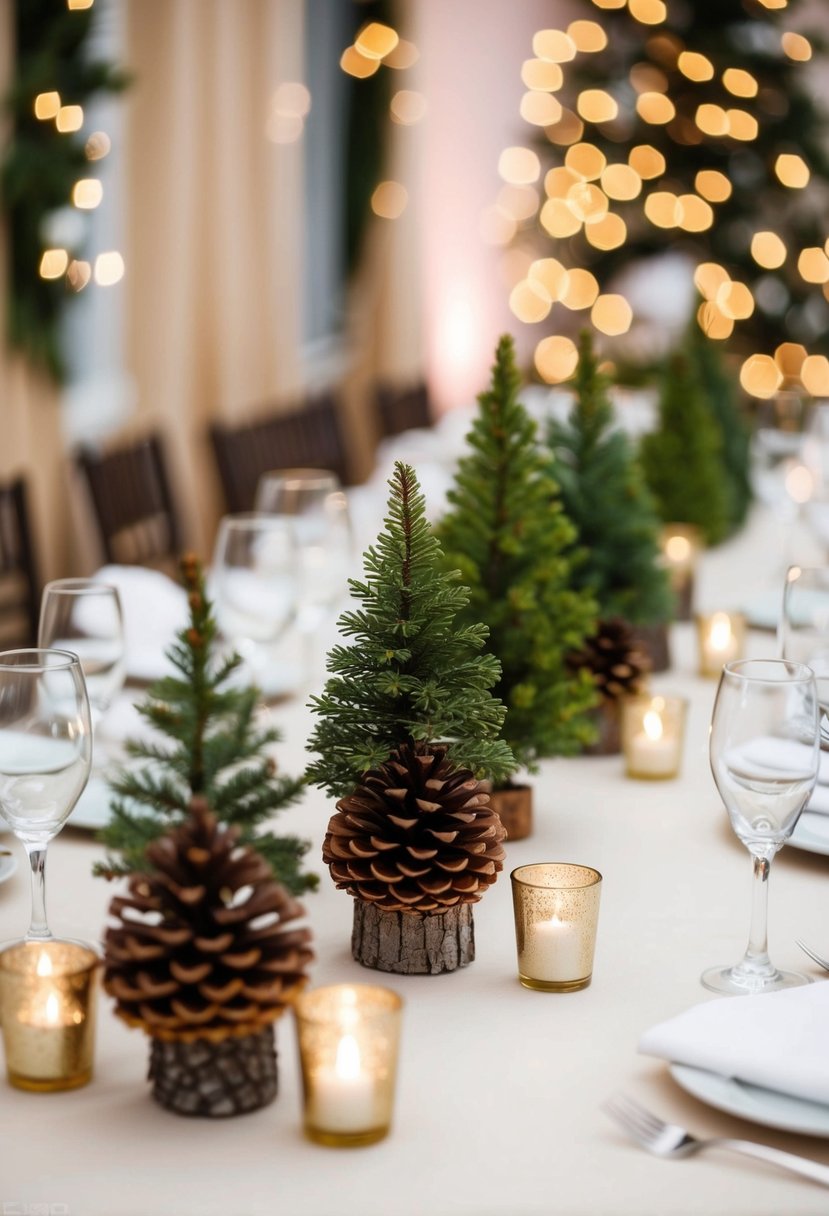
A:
[(215, 1079), (608, 720), (413, 943), (654, 640), (514, 805)]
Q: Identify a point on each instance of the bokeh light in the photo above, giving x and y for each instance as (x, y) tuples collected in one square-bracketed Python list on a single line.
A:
[(612, 315), (556, 358), (760, 376)]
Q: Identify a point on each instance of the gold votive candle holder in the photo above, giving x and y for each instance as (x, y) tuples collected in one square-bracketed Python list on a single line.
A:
[(48, 995), (653, 736), (681, 545), (348, 1037), (556, 906), (721, 639)]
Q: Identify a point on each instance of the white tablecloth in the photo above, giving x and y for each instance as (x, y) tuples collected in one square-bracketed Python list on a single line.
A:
[(498, 1104)]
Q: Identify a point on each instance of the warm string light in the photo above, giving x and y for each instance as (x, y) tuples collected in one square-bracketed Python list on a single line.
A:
[(581, 195)]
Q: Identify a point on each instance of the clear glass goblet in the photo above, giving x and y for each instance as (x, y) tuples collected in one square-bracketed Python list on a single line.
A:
[(45, 755), (85, 617), (764, 749), (803, 631), (255, 580), (317, 507)]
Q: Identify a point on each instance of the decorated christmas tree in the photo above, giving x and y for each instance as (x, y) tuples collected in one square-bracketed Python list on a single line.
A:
[(406, 727), (208, 744), (683, 457), (691, 127), (604, 494), (509, 537)]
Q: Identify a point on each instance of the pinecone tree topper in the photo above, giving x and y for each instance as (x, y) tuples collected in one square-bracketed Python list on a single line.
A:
[(416, 835), (618, 664), (204, 946)]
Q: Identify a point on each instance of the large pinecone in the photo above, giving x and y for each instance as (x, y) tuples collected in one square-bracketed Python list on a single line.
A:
[(618, 664), (417, 835), (187, 960)]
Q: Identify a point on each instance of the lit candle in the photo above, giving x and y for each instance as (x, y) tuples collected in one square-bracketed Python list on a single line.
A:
[(720, 639), (344, 1097), (554, 951), (680, 546), (650, 752)]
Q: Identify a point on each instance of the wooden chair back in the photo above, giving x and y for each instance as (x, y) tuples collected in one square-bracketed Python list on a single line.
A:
[(402, 409), (19, 584), (129, 488), (308, 438)]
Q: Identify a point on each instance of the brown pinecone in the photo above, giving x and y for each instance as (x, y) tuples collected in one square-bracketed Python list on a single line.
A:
[(618, 664), (417, 835), (187, 959)]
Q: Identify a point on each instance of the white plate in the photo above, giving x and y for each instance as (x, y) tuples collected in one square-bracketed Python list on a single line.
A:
[(765, 1106), (8, 864), (811, 833)]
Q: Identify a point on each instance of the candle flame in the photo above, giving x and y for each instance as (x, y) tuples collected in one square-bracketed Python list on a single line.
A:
[(44, 964), (677, 549), (52, 1009), (652, 723), (720, 631), (347, 1065)]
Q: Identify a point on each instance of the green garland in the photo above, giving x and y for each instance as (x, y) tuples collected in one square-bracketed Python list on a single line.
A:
[(41, 165)]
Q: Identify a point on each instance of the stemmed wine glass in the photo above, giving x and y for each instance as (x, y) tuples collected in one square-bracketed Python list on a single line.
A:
[(317, 508), (85, 617), (803, 632), (764, 749), (45, 755), (254, 581)]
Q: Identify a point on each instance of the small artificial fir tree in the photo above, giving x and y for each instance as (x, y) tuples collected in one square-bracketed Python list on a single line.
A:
[(721, 391), (604, 494), (513, 544), (683, 458), (407, 726), (212, 748)]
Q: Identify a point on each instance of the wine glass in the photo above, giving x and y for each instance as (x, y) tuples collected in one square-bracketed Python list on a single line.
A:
[(314, 502), (254, 580), (764, 749), (85, 617), (803, 631), (45, 755)]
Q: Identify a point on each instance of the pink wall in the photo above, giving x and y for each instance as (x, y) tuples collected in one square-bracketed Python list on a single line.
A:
[(471, 53)]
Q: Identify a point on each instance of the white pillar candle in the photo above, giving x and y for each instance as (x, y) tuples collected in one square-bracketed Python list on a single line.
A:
[(650, 753), (344, 1097), (553, 951)]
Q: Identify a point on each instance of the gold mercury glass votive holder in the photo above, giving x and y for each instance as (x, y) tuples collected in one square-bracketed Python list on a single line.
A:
[(720, 639), (556, 906), (653, 736), (348, 1037), (48, 996)]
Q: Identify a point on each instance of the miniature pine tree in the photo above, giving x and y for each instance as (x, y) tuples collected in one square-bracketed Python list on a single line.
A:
[(510, 539), (212, 747), (722, 393), (412, 675), (682, 458), (604, 494)]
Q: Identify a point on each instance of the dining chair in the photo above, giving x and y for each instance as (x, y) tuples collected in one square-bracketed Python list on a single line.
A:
[(307, 437), (402, 408), (129, 488), (19, 584)]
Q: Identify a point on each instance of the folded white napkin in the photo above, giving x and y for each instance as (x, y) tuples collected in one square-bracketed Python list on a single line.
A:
[(777, 1040), (764, 756), (155, 609)]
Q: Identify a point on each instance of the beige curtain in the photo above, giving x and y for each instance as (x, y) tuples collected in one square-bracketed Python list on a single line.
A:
[(213, 228)]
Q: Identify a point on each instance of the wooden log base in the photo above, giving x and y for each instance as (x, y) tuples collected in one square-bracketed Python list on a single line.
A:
[(514, 805), (215, 1080), (654, 640), (413, 943)]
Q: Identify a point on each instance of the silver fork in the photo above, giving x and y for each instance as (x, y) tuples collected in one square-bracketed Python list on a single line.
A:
[(670, 1140), (821, 962)]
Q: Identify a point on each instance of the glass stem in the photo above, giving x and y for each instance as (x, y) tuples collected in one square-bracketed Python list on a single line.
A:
[(757, 952), (38, 929)]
